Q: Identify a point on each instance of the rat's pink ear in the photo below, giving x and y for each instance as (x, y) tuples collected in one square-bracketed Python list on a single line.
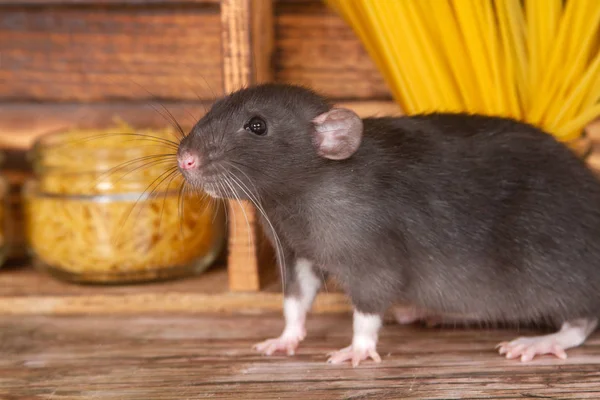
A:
[(337, 133)]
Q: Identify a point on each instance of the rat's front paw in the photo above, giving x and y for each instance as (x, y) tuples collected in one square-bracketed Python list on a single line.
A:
[(288, 342), (356, 354)]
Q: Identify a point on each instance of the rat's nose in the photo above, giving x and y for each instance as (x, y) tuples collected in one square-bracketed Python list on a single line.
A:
[(188, 161)]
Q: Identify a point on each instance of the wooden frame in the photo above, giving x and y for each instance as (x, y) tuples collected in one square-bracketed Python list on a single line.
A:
[(247, 40)]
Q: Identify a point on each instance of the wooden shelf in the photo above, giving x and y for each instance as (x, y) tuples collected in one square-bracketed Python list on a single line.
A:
[(24, 290)]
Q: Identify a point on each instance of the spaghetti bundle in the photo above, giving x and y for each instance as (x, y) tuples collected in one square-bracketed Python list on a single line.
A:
[(537, 61)]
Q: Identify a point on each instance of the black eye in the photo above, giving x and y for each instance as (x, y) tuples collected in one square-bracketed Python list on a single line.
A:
[(257, 126)]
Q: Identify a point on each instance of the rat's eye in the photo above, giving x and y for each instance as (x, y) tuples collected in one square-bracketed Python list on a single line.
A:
[(257, 126)]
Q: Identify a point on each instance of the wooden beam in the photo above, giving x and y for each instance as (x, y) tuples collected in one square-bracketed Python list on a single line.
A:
[(22, 123), (247, 40), (96, 3), (24, 290)]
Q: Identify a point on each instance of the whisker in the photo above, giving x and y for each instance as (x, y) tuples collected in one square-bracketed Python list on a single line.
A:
[(212, 92), (245, 175), (141, 196), (202, 101), (143, 136), (274, 178), (136, 203), (180, 207), (172, 120), (175, 126), (173, 175), (215, 205), (155, 160), (226, 208), (179, 128), (278, 245), (146, 165), (237, 198), (232, 217)]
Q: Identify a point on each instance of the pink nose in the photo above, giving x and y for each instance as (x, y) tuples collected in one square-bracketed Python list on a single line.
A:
[(188, 161)]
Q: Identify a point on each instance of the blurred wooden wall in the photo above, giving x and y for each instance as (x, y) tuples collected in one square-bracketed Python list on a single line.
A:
[(83, 62)]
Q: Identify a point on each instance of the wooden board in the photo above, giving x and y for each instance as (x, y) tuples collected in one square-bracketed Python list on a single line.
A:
[(58, 53), (99, 50), (26, 291), (315, 47), (100, 2), (247, 39), (192, 357), (22, 123)]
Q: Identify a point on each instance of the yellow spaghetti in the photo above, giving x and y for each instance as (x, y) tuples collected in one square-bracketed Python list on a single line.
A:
[(537, 61), (95, 215)]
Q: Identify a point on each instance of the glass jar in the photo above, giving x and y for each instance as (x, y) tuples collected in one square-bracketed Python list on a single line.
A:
[(108, 207)]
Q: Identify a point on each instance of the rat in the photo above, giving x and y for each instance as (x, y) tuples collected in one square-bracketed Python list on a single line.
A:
[(441, 213)]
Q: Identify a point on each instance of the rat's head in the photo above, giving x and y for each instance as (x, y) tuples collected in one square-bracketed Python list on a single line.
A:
[(260, 138)]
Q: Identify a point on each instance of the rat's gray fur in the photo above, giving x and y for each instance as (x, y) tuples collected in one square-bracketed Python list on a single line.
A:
[(452, 213)]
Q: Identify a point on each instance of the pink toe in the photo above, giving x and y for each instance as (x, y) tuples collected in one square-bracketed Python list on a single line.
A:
[(375, 356), (527, 356), (560, 353)]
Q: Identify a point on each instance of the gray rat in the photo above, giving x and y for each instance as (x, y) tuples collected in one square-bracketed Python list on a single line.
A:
[(455, 214)]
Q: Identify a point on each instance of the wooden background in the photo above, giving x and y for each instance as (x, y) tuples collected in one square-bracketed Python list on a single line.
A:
[(84, 62)]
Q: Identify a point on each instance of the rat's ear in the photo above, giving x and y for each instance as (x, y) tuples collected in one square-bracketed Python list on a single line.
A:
[(337, 133)]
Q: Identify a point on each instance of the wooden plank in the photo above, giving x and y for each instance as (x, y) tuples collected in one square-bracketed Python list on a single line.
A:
[(315, 47), (191, 357), (106, 53), (105, 50), (22, 123), (247, 44), (95, 3), (26, 291)]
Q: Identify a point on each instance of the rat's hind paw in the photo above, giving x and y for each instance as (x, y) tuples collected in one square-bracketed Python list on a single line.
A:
[(571, 334), (356, 355), (286, 342), (528, 347)]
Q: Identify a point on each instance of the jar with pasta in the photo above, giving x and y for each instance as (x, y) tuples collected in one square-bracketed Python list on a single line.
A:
[(110, 206)]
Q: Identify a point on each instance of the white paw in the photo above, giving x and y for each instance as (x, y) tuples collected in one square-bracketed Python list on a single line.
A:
[(355, 354), (287, 342), (528, 347)]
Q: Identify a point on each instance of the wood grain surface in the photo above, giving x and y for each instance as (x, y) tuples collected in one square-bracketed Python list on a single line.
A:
[(315, 47), (102, 53), (196, 357), (26, 291), (22, 123), (98, 51)]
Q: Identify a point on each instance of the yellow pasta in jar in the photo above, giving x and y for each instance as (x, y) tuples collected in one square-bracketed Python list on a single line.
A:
[(105, 207)]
